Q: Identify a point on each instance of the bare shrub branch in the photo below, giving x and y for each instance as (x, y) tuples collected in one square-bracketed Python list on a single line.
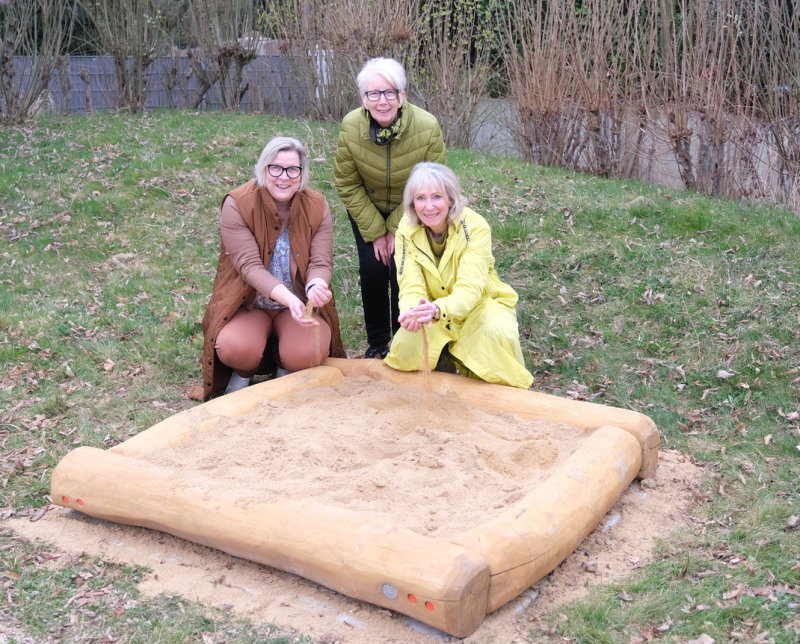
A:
[(36, 32), (454, 63), (705, 89), (328, 41), (130, 32), (223, 41)]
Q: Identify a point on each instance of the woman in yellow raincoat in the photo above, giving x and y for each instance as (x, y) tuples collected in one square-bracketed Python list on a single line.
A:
[(448, 283)]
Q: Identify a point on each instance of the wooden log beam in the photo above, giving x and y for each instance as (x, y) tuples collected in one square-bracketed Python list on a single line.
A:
[(532, 537), (358, 554)]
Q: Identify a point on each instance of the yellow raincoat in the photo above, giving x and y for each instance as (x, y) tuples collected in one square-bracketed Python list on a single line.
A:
[(478, 321)]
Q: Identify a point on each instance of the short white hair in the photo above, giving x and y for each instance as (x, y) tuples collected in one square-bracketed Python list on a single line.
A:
[(389, 68)]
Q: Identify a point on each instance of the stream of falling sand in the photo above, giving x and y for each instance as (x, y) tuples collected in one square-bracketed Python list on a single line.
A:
[(425, 369), (308, 315)]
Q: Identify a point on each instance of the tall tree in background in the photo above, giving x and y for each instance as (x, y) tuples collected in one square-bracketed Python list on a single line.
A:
[(37, 31)]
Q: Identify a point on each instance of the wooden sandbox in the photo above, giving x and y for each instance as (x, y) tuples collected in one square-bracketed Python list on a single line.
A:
[(448, 584)]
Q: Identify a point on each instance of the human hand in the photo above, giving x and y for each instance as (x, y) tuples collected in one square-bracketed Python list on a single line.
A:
[(295, 305), (409, 321), (382, 250), (422, 314), (318, 292), (298, 310)]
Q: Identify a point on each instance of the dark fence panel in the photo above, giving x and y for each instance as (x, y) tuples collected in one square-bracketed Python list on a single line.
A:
[(85, 83)]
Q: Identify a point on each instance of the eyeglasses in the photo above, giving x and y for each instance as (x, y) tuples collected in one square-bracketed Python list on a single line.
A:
[(374, 95), (293, 171)]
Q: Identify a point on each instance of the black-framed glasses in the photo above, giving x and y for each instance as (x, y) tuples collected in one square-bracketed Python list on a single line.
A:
[(293, 171), (374, 95)]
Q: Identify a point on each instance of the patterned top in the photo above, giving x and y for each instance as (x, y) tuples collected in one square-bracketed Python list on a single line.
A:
[(280, 267)]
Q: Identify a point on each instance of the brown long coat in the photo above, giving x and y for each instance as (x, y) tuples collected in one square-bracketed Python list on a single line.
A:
[(231, 292)]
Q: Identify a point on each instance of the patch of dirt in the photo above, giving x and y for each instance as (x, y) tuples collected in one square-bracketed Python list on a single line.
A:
[(461, 472)]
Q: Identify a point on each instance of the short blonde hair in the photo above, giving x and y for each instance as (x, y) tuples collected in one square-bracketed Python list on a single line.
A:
[(440, 177), (271, 150)]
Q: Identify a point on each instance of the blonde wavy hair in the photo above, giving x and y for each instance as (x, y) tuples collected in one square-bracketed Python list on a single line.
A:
[(429, 174)]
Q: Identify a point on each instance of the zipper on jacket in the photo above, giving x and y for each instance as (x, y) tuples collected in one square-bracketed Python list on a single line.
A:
[(389, 179), (403, 256), (402, 259), (422, 252)]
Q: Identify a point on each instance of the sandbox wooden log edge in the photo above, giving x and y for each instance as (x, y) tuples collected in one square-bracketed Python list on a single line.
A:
[(448, 585)]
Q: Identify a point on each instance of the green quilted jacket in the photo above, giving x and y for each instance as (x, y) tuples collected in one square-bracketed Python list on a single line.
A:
[(371, 178)]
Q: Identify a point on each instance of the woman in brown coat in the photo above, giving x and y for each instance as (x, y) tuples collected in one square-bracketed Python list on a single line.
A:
[(275, 264)]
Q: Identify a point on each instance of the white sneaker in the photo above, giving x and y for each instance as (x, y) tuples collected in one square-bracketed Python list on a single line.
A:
[(236, 382), (280, 372)]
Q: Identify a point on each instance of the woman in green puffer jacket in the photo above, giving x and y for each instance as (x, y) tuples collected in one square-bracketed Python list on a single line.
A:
[(378, 144)]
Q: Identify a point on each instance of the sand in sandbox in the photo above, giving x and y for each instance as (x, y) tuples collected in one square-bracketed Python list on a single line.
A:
[(431, 463)]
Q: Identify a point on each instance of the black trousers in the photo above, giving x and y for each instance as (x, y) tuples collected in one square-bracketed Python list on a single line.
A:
[(379, 292)]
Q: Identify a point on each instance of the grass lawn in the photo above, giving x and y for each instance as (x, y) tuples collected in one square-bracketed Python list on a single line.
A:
[(680, 306)]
